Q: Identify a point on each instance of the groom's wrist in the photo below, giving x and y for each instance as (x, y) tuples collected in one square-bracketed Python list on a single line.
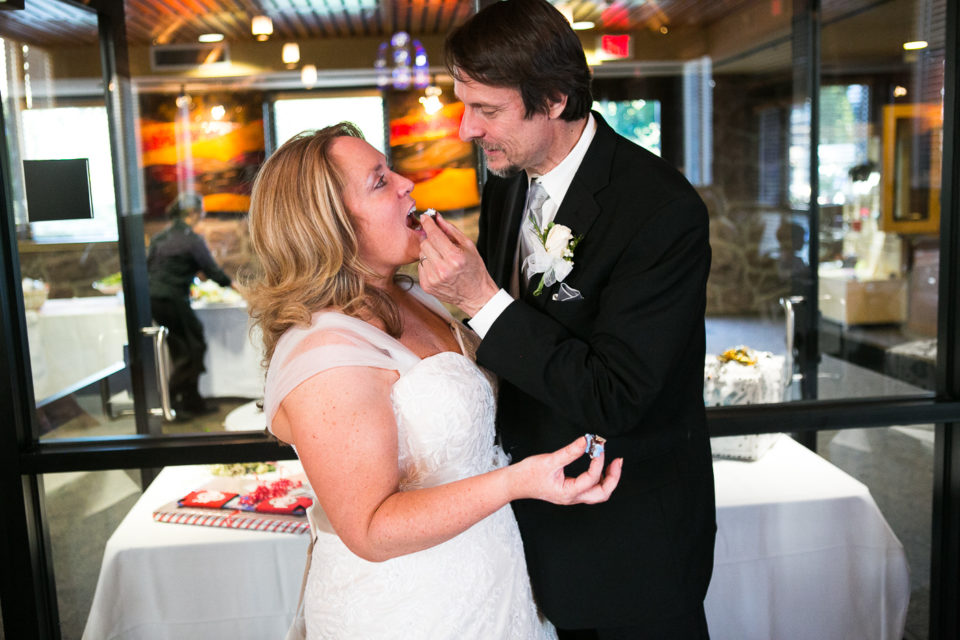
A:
[(483, 319), (485, 291)]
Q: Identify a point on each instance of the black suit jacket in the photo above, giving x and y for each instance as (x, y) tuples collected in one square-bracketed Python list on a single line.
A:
[(625, 362)]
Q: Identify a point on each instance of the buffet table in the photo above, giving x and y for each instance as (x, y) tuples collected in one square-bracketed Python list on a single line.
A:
[(233, 352), (802, 552), (72, 339)]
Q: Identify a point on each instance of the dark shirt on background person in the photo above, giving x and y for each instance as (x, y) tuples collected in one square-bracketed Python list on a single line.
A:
[(175, 257)]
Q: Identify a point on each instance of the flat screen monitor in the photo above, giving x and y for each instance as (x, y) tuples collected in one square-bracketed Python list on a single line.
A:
[(58, 189)]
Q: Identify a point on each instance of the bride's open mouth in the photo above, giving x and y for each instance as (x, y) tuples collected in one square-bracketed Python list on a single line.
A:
[(413, 218), (412, 221)]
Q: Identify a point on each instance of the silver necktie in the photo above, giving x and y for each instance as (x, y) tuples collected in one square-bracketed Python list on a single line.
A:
[(536, 197)]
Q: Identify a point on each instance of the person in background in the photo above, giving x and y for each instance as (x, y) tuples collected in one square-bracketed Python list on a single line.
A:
[(176, 255)]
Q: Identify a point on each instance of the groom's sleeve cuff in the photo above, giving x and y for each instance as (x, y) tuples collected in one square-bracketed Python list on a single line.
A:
[(487, 315)]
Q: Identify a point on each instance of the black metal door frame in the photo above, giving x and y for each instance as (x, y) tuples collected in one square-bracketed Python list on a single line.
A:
[(27, 586), (945, 548)]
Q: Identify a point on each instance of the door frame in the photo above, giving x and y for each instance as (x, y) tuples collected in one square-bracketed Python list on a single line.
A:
[(27, 585)]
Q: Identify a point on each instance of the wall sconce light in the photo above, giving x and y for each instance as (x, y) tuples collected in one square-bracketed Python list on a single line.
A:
[(308, 75), (291, 53), (916, 45), (261, 27)]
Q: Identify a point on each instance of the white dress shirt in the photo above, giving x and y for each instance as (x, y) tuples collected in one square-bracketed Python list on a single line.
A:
[(555, 182)]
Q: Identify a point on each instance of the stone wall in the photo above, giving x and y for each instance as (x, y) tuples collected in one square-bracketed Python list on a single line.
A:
[(228, 239), (748, 274), (69, 269)]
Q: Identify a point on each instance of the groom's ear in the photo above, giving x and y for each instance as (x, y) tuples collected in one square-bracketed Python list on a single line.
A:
[(556, 105)]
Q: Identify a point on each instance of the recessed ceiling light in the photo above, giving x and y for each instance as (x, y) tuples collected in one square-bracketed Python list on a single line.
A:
[(290, 54), (308, 75), (210, 37), (261, 27), (583, 25), (916, 44)]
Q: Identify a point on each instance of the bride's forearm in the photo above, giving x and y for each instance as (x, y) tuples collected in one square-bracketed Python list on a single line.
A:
[(410, 521)]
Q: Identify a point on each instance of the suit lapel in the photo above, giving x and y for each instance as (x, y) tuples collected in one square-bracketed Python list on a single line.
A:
[(579, 209), (509, 230)]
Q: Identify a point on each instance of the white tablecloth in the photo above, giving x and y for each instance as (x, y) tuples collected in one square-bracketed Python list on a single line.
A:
[(802, 553), (233, 353), (183, 582), (71, 339)]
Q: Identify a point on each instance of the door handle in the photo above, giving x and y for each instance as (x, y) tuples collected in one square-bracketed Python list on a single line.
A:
[(790, 331), (159, 334)]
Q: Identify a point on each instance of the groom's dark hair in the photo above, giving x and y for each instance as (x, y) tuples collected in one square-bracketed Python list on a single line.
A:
[(526, 45)]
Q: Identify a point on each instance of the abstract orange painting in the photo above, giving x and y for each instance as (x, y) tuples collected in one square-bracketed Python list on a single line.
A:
[(426, 148)]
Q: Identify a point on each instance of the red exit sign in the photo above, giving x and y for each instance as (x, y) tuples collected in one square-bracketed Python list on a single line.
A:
[(617, 46)]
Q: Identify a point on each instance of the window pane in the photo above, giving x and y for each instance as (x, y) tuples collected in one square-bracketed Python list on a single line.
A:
[(897, 464), (636, 120), (880, 150), (75, 132), (294, 115), (83, 510), (76, 325)]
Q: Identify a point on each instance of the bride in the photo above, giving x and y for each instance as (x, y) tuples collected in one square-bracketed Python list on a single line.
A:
[(374, 384)]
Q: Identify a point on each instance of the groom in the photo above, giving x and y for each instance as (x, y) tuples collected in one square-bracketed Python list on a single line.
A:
[(614, 347)]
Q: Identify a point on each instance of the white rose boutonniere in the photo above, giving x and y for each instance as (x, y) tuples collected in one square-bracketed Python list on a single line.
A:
[(552, 254)]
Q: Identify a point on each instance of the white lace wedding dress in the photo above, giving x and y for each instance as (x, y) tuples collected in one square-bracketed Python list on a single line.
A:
[(472, 586)]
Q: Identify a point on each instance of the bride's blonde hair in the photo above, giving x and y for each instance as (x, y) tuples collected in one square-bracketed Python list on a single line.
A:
[(306, 241)]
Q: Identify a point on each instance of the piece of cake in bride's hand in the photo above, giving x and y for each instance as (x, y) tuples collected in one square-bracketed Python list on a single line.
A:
[(429, 212), (594, 444)]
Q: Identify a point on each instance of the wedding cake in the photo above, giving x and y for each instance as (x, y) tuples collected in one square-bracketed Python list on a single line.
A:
[(741, 375)]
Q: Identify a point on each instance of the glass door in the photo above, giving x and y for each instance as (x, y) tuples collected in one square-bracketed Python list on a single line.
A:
[(78, 232), (83, 424)]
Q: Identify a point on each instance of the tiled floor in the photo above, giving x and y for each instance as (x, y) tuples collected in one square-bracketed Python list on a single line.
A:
[(896, 463)]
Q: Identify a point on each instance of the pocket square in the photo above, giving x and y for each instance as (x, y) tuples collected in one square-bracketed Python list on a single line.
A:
[(567, 294)]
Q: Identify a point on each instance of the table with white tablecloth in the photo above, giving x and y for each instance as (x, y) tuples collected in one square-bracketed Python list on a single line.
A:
[(72, 339), (181, 581), (234, 351), (802, 552)]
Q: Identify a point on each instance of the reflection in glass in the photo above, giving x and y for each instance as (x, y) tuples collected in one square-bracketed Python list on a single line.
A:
[(293, 115), (911, 141), (636, 120), (75, 320), (75, 132)]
